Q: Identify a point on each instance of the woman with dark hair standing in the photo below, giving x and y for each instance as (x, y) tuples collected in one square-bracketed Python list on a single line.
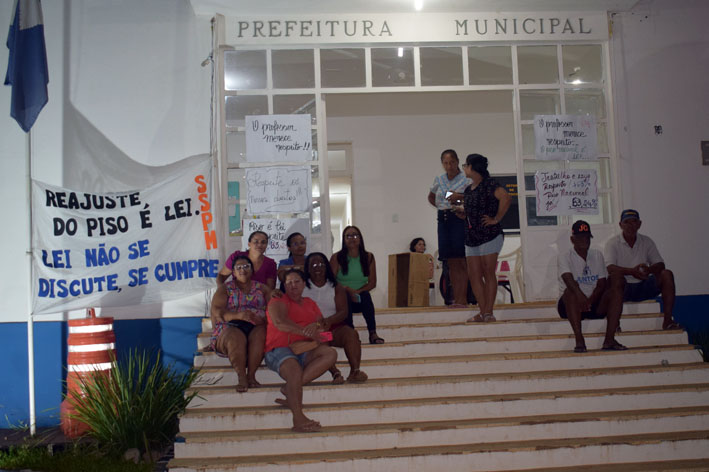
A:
[(331, 297), (485, 204), (451, 227), (264, 266), (297, 247), (356, 270)]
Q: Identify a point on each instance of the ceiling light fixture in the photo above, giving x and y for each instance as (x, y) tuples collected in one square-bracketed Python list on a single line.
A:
[(418, 5), (400, 52)]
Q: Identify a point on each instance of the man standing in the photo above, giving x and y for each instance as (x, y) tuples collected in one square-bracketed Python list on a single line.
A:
[(586, 294), (636, 257)]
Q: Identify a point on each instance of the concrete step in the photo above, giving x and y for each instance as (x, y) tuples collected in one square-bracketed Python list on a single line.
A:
[(452, 432), (481, 345), (495, 456), (462, 385), (224, 374), (484, 406)]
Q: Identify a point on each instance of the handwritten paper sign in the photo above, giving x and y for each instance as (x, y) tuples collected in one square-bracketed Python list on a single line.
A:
[(566, 192), (278, 138), (565, 137), (277, 231), (125, 248), (284, 189)]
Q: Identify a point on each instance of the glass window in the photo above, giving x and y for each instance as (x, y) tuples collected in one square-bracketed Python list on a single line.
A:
[(490, 65), (316, 227), (586, 102), (244, 70), (533, 219), (537, 65), (441, 66), (602, 138), (538, 102), (295, 104), (582, 64), (532, 166), (293, 68), (236, 147), (342, 68), (237, 107), (392, 67), (236, 200)]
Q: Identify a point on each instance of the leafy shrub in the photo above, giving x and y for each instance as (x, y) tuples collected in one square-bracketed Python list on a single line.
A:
[(75, 458), (137, 405)]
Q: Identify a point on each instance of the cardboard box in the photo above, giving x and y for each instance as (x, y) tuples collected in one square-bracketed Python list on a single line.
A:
[(408, 279)]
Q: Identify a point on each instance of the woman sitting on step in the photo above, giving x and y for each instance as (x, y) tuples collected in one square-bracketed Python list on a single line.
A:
[(238, 315), (295, 348), (331, 298)]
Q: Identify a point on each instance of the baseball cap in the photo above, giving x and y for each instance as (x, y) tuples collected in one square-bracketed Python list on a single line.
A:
[(629, 214), (581, 227)]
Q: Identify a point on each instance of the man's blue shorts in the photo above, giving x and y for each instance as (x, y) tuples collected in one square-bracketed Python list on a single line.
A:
[(642, 290), (274, 358)]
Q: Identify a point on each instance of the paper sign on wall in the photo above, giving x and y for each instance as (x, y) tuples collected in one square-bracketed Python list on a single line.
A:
[(278, 138), (126, 248), (284, 189), (277, 230), (566, 192), (565, 137)]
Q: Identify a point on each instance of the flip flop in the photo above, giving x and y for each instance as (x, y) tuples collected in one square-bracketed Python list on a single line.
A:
[(311, 426), (671, 325), (337, 378), (616, 346), (357, 376), (374, 339), (242, 386), (489, 317), (580, 349), (253, 383), (479, 318), (281, 401)]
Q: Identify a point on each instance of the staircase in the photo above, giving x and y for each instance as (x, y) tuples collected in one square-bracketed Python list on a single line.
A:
[(446, 395)]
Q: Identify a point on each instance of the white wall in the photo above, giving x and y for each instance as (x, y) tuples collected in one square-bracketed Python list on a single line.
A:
[(397, 140), (132, 70), (661, 63)]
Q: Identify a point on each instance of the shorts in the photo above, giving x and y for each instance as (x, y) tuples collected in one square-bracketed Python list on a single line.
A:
[(244, 326), (643, 290), (490, 247), (275, 357), (451, 236), (585, 315)]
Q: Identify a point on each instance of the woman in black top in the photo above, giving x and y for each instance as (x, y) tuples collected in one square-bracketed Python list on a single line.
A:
[(485, 203)]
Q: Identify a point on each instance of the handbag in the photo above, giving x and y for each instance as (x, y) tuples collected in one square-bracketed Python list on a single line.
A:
[(305, 345)]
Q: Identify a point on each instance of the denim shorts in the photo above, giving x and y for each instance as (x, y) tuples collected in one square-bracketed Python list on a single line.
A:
[(276, 357), (643, 290), (490, 247)]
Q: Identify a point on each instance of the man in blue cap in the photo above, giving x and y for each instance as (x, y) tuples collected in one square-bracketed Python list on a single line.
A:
[(636, 257), (586, 291)]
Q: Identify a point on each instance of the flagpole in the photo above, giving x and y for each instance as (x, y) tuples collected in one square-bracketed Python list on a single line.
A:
[(30, 320)]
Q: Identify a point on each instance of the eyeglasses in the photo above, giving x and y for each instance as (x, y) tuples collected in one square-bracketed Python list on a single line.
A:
[(465, 165), (245, 267), (352, 236), (317, 264)]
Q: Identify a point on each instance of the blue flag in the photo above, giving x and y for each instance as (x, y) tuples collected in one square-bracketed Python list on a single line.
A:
[(27, 64)]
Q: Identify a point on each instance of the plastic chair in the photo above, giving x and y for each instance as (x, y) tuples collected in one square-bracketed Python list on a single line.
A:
[(511, 280)]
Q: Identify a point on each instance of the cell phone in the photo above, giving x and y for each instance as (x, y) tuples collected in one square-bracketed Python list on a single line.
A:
[(326, 336), (448, 194)]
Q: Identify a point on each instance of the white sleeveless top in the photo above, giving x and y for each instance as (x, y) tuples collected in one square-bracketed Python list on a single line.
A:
[(324, 297)]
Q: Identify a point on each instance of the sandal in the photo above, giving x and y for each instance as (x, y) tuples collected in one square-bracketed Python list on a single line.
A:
[(479, 318), (337, 378), (243, 385), (311, 426), (671, 325), (489, 317), (357, 376), (374, 339), (580, 348), (616, 346)]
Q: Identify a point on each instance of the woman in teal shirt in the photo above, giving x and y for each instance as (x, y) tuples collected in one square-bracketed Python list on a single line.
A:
[(357, 272)]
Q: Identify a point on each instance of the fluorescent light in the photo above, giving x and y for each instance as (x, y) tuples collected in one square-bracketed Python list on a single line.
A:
[(400, 52), (418, 5)]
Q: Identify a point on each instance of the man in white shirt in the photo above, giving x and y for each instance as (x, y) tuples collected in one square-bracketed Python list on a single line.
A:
[(636, 257), (586, 292)]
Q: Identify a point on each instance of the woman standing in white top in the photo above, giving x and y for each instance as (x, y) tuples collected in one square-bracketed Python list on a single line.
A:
[(331, 297)]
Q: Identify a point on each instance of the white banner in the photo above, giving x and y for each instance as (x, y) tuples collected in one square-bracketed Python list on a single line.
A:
[(416, 27), (565, 137), (126, 248), (279, 138), (566, 192), (283, 189), (277, 230)]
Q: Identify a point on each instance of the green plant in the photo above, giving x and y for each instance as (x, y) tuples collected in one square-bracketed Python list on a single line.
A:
[(137, 405), (75, 458)]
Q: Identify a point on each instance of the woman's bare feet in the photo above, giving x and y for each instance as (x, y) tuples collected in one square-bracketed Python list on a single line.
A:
[(243, 384), (253, 383)]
